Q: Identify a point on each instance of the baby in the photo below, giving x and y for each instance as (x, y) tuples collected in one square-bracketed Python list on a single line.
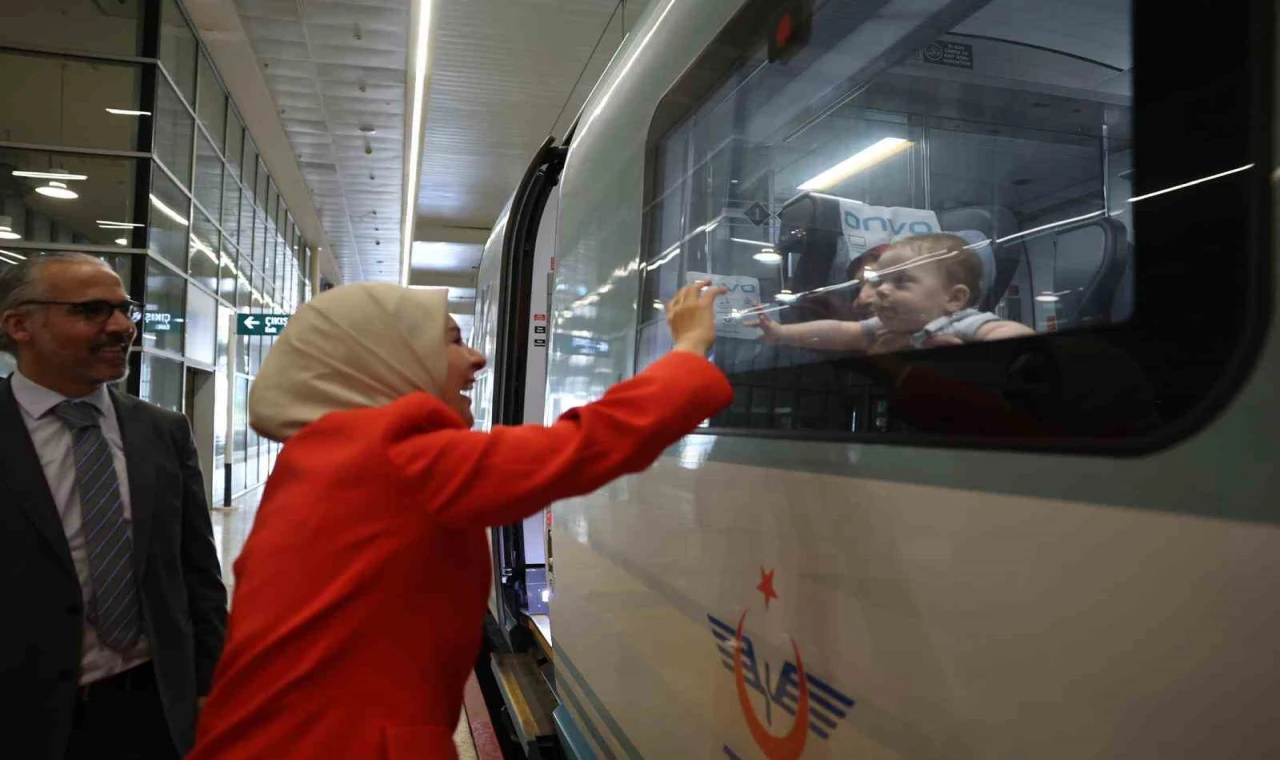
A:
[(924, 289)]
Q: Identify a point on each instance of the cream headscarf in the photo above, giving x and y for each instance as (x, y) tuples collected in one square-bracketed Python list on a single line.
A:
[(355, 346)]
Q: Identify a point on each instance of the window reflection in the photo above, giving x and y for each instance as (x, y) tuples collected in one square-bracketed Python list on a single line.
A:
[(71, 102), (949, 184), (101, 211), (174, 131), (169, 220), (211, 103), (164, 318), (178, 48), (82, 25), (208, 179), (161, 382), (203, 258)]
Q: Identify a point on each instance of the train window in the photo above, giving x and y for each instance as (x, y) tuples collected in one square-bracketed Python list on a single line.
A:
[(949, 188)]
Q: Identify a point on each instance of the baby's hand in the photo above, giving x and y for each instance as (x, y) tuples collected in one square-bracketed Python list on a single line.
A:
[(769, 332), (939, 341)]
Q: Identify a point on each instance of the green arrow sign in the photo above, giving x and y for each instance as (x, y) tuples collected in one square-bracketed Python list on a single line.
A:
[(261, 324)]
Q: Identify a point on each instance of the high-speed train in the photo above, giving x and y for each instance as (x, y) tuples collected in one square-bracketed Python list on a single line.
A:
[(1062, 544)]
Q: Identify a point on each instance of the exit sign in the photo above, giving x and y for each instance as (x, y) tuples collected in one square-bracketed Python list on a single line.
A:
[(261, 324)]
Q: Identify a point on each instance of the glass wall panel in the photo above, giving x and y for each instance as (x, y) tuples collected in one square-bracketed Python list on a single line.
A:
[(227, 272), (102, 189), (239, 433), (88, 26), (70, 102), (230, 204), (235, 140), (244, 240), (161, 382), (201, 322), (211, 103), (174, 130), (203, 259), (178, 49), (208, 180), (163, 319), (249, 163), (169, 220)]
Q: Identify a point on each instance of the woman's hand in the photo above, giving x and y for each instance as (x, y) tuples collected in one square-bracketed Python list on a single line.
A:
[(691, 317)]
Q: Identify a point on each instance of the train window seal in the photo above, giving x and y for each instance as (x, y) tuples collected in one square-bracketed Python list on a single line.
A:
[(740, 36)]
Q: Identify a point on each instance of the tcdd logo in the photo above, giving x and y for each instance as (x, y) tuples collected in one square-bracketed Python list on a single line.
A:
[(816, 706)]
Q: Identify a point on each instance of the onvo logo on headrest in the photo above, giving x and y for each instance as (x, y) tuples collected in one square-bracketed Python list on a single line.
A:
[(885, 224)]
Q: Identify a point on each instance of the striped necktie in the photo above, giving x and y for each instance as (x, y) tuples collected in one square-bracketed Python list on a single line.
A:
[(107, 535)]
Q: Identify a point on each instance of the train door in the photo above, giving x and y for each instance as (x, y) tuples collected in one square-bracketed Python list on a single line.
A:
[(522, 340)]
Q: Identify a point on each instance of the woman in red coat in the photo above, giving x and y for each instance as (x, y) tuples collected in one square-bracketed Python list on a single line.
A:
[(360, 594)]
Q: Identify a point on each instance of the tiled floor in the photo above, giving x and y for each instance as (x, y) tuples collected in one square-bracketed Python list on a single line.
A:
[(231, 528)]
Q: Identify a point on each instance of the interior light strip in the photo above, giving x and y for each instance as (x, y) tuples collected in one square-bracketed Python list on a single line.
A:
[(867, 157)]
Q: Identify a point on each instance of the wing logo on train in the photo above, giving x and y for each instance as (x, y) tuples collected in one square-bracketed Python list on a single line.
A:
[(815, 706)]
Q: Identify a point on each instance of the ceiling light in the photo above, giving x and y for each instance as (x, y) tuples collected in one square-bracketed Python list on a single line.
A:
[(414, 159), (768, 256), (51, 174), (174, 215), (59, 190), (760, 243), (863, 159), (106, 224), (6, 229), (1046, 298), (122, 241), (8, 260), (127, 112), (11, 253)]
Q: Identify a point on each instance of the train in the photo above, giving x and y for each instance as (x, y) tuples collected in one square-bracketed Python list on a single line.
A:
[(1063, 544)]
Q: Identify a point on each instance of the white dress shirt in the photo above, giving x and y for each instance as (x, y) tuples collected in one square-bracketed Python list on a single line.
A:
[(54, 446)]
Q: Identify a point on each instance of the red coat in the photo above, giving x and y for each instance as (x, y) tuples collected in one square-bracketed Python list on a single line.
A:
[(361, 591)]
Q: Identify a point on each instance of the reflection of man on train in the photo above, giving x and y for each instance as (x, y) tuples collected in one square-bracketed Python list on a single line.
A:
[(925, 288)]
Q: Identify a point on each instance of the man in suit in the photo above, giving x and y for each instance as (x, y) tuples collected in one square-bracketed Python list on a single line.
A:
[(113, 604)]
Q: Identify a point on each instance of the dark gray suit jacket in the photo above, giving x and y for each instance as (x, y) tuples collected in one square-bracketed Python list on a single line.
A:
[(184, 603)]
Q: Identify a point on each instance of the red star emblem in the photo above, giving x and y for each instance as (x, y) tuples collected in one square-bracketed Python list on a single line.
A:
[(766, 587)]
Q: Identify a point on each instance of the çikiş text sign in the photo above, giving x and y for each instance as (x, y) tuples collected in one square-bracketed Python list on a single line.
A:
[(261, 324)]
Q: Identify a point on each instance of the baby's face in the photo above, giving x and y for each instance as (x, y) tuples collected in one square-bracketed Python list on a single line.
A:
[(908, 299)]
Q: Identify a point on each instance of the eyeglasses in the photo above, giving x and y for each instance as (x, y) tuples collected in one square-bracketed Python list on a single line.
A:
[(96, 310)]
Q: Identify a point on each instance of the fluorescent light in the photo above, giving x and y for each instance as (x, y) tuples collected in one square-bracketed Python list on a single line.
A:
[(107, 224), (415, 137), (174, 215), (1185, 185), (57, 190), (864, 158), (1046, 298), (7, 260), (127, 112), (122, 241), (65, 176), (11, 253), (760, 243), (768, 256), (6, 229)]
